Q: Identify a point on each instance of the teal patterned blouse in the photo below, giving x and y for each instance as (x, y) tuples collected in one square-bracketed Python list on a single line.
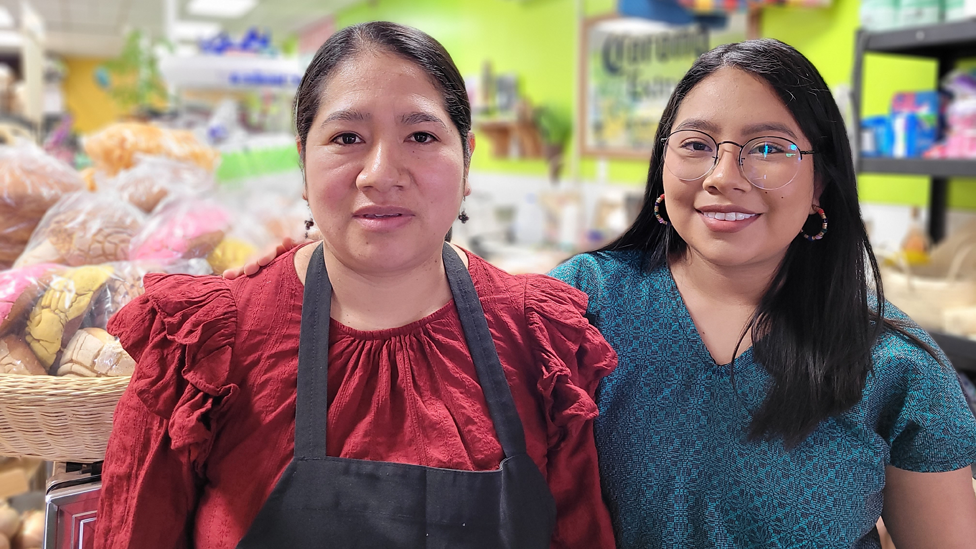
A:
[(676, 465)]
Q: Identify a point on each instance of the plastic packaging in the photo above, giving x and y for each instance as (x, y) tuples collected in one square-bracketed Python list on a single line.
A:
[(19, 289), (84, 228), (57, 323), (182, 228), (877, 15), (153, 178), (31, 181), (114, 148)]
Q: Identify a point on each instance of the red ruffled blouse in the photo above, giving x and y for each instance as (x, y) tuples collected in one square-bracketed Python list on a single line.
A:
[(207, 423)]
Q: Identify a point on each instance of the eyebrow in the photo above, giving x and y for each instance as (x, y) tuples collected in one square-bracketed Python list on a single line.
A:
[(697, 124), (420, 117), (345, 116), (768, 126), (709, 127)]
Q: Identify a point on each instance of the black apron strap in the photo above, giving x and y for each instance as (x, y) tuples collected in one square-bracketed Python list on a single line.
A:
[(498, 395), (313, 353), (313, 361)]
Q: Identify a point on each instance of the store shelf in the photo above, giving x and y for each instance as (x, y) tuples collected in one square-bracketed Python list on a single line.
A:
[(961, 351), (943, 40), (919, 166), (946, 44)]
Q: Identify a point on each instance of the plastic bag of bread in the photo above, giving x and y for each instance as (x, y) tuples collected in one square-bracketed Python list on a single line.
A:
[(114, 148), (182, 227), (75, 299), (153, 178), (19, 290), (84, 228), (31, 181)]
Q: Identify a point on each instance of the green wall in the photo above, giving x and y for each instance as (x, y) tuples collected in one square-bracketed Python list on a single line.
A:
[(537, 39)]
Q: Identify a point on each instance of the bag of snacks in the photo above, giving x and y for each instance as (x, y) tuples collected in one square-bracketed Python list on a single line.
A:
[(114, 148), (31, 181), (84, 228), (153, 178)]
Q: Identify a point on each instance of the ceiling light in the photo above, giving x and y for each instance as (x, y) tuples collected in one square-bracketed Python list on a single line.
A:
[(228, 9), (195, 30), (6, 20)]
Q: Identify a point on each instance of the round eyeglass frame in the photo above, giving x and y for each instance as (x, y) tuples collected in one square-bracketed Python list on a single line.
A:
[(740, 161)]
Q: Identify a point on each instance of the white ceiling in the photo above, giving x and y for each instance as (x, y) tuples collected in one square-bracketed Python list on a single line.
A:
[(96, 27)]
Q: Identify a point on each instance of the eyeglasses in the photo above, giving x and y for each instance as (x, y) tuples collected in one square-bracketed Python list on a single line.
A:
[(766, 162)]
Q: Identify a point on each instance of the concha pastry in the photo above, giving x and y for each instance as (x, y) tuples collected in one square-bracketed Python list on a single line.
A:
[(19, 289), (61, 310), (84, 229), (17, 358), (31, 181), (93, 352)]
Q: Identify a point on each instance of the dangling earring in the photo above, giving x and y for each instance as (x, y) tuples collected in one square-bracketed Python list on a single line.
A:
[(823, 227), (657, 210), (463, 216)]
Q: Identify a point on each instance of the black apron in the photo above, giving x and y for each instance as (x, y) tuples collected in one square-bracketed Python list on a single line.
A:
[(323, 501)]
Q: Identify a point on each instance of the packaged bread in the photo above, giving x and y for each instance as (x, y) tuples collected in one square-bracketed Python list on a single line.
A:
[(60, 312), (16, 358), (84, 228), (184, 227), (115, 148), (64, 301), (31, 181), (93, 352), (153, 178), (19, 289)]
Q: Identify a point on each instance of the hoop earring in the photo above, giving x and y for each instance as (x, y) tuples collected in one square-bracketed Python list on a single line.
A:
[(657, 210), (823, 227), (463, 217)]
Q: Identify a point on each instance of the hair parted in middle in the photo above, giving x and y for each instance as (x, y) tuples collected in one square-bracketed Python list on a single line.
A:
[(409, 43), (817, 322)]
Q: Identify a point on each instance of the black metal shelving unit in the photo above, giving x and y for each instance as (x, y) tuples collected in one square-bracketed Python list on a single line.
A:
[(946, 43)]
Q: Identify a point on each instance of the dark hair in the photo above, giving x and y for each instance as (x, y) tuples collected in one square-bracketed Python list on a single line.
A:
[(815, 326), (407, 42)]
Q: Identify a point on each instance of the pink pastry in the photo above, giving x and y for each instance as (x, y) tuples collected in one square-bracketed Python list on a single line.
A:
[(19, 288), (185, 228)]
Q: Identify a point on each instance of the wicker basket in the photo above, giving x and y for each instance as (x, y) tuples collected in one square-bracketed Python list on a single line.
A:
[(57, 418), (926, 299)]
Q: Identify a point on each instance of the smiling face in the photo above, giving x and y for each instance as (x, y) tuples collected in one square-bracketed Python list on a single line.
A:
[(723, 218), (384, 166)]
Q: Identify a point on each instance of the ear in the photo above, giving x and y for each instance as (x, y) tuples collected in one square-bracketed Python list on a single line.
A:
[(301, 163), (467, 163)]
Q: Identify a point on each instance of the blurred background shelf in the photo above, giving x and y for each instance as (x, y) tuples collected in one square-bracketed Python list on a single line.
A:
[(919, 166)]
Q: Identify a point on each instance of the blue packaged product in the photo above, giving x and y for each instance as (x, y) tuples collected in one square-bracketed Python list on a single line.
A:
[(876, 136)]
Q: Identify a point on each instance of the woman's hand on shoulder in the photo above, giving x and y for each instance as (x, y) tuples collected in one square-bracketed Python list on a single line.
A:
[(255, 265)]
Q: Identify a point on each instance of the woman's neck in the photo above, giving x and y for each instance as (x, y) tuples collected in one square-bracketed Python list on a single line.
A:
[(742, 285), (383, 299), (721, 301)]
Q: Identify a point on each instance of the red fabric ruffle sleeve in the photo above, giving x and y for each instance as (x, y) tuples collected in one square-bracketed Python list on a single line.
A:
[(574, 357), (181, 334)]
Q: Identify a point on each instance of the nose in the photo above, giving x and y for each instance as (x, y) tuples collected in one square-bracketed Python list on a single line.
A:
[(381, 168), (727, 174)]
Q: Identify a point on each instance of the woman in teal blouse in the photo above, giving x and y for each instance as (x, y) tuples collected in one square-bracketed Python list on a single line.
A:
[(766, 394)]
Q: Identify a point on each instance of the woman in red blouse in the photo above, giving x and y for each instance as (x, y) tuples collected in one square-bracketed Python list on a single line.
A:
[(423, 421)]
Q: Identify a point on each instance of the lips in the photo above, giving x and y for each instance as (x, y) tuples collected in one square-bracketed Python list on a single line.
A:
[(729, 216)]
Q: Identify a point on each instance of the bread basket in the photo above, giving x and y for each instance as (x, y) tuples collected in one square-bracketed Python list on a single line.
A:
[(57, 418)]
